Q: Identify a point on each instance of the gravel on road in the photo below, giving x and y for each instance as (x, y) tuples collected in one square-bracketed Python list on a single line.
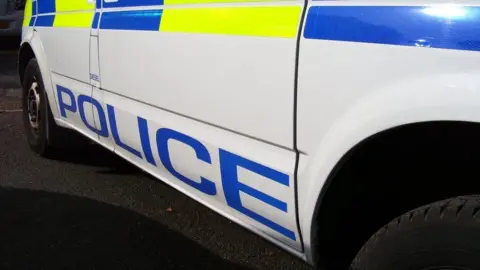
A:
[(10, 89)]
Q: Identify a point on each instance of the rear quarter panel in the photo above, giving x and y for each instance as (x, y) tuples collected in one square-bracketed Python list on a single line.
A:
[(362, 72)]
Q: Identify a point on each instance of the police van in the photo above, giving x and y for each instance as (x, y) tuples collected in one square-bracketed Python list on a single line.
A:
[(346, 132)]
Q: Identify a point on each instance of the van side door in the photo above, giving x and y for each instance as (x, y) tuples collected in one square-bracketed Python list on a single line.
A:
[(200, 93)]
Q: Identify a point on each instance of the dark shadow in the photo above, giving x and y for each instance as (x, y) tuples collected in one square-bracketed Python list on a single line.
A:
[(8, 66), (8, 43), (41, 230), (97, 156)]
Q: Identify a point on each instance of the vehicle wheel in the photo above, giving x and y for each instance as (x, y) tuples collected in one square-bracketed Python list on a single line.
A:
[(44, 136), (439, 236)]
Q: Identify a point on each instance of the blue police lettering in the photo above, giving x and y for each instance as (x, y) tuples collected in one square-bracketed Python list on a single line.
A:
[(229, 162), (116, 137), (72, 106), (103, 131), (145, 140), (163, 135)]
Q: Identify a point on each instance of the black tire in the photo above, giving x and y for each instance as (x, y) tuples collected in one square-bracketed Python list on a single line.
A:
[(443, 235), (47, 139)]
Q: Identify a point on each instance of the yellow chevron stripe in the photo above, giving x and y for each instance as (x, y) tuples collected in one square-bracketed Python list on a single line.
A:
[(265, 21), (27, 13), (176, 2), (77, 19), (73, 5)]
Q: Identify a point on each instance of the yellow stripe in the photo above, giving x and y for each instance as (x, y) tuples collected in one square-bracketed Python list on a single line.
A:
[(266, 21), (176, 2), (73, 5), (77, 19), (27, 13)]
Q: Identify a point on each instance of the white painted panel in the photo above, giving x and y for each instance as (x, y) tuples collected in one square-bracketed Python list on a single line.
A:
[(67, 51), (342, 102), (336, 76), (244, 84), (349, 91)]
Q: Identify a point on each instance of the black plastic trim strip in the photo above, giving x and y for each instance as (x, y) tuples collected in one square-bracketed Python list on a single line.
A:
[(295, 108)]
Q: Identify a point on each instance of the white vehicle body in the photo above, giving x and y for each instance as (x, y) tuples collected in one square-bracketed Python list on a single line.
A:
[(251, 116)]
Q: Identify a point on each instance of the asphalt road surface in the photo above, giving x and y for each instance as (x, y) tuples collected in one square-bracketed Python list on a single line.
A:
[(9, 82), (92, 210)]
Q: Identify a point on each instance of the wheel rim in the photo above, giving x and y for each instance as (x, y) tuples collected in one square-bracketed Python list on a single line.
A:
[(33, 106)]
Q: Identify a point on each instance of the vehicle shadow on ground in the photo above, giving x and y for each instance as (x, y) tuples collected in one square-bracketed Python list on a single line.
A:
[(97, 156), (42, 230), (10, 43)]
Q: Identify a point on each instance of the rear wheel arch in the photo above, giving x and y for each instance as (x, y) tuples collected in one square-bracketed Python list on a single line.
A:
[(44, 136), (33, 49), (353, 205), (25, 54)]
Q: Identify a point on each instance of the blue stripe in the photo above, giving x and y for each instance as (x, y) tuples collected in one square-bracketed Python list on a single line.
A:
[(447, 27), (148, 20), (46, 6), (132, 3), (265, 198), (96, 20), (46, 21), (34, 8), (32, 21)]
